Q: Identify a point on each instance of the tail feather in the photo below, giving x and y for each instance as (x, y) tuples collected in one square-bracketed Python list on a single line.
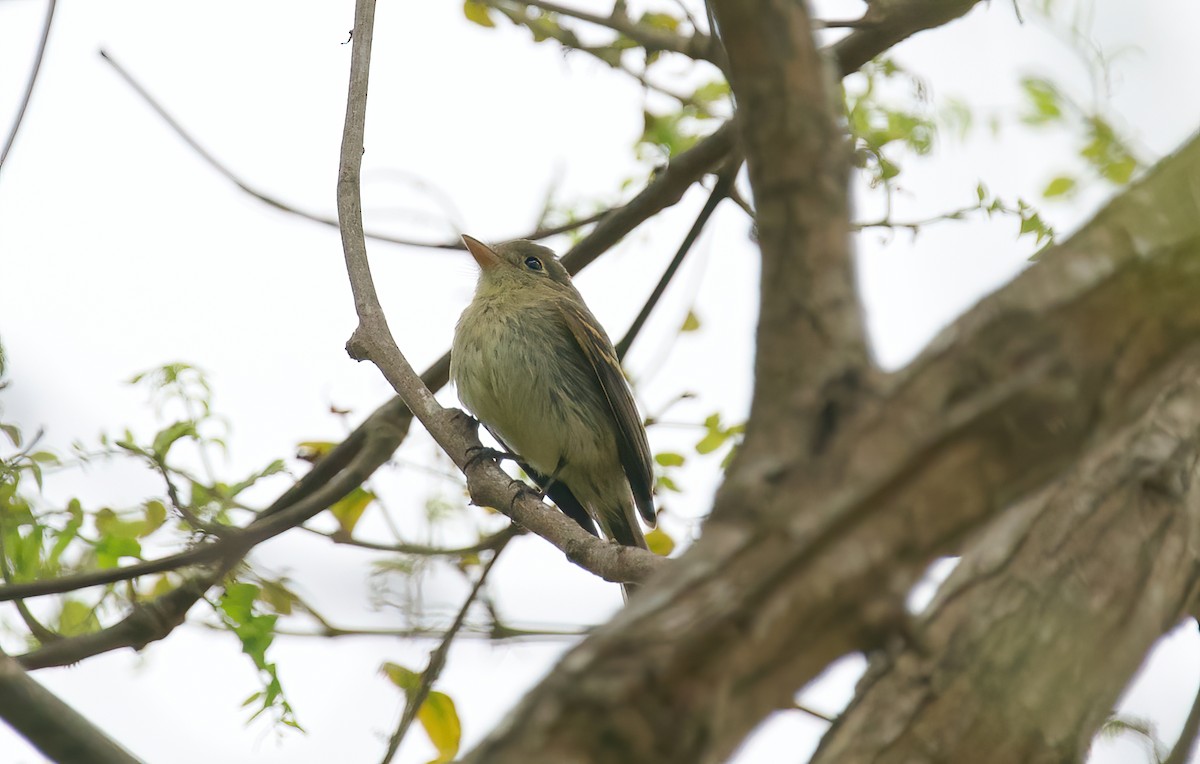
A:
[(622, 527)]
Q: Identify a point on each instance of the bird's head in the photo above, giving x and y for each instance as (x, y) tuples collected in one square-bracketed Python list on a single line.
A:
[(517, 264)]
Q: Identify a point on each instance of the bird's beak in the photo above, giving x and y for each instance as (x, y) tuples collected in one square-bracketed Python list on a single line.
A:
[(483, 254)]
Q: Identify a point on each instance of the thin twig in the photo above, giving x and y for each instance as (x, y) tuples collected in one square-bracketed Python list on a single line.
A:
[(493, 541), (330, 482), (719, 192), (180, 508), (813, 712), (437, 661), (538, 233), (42, 633), (29, 85), (697, 46), (452, 430)]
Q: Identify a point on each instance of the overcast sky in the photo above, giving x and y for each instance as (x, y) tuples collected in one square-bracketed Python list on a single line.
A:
[(120, 250)]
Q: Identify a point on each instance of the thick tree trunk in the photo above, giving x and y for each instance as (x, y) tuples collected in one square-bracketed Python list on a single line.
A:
[(849, 483), (1037, 631)]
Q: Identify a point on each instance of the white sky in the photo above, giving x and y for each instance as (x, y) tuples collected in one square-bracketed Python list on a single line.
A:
[(121, 250)]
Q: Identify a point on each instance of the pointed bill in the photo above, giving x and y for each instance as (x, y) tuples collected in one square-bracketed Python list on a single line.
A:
[(483, 254)]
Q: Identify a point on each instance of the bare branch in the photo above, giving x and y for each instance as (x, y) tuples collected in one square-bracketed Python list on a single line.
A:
[(1001, 405), (299, 503), (811, 342), (719, 192), (488, 543), (437, 661), (1101, 597), (697, 45), (147, 622), (539, 231), (29, 83), (454, 432), (53, 727), (885, 24)]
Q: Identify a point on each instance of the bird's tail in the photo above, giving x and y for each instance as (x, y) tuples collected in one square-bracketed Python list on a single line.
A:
[(620, 525)]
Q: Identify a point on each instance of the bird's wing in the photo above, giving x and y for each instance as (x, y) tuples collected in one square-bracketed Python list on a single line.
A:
[(632, 446)]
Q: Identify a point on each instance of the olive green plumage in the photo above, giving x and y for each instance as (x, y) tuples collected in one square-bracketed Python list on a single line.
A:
[(533, 365)]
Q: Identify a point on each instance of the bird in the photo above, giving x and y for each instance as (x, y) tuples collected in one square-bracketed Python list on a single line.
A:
[(535, 367)]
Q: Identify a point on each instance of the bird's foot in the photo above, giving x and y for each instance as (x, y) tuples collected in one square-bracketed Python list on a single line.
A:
[(477, 454), (524, 489)]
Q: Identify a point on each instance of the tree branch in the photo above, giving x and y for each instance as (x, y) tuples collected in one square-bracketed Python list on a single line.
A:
[(811, 346), (719, 192), (1108, 547), (887, 23), (998, 407), (53, 727), (147, 622), (539, 232), (437, 661), (29, 83), (451, 429), (296, 505), (697, 46), (487, 543)]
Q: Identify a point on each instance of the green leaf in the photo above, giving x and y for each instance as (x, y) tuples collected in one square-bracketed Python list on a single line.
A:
[(887, 169), (666, 484), (45, 457), (350, 508), (1060, 186), (669, 459), (35, 469), (238, 601), (440, 719), (13, 432), (68, 534), (167, 437), (660, 542), (403, 678), (711, 442), (273, 468), (156, 515), (76, 618), (477, 13), (1044, 100), (162, 585), (711, 92), (278, 597), (110, 550), (1120, 171), (691, 323), (255, 630)]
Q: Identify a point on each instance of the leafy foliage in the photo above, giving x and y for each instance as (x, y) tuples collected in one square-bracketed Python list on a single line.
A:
[(437, 714)]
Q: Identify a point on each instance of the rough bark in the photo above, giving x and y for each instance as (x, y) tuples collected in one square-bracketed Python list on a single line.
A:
[(1004, 402), (1030, 642)]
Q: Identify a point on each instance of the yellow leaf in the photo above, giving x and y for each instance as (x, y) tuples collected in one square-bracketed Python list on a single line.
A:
[(477, 13), (691, 323), (659, 542), (312, 450), (349, 510), (440, 720)]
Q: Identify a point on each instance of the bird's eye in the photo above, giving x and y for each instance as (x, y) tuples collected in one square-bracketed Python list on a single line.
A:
[(533, 264)]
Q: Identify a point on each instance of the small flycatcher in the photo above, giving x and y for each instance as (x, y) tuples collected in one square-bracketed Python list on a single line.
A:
[(533, 364)]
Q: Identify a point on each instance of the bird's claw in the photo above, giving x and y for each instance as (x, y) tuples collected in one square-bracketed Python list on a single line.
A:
[(524, 489), (477, 454)]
